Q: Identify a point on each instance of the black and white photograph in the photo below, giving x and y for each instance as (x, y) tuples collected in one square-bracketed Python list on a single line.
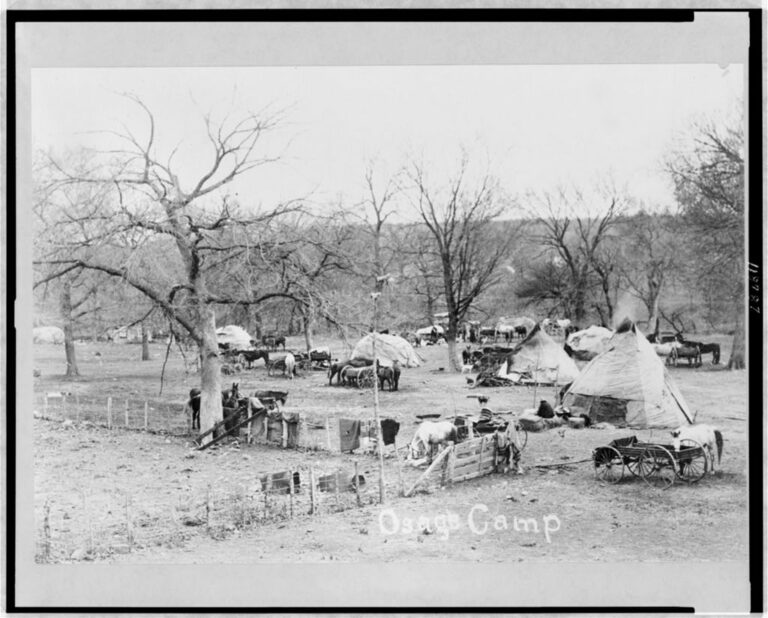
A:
[(385, 313)]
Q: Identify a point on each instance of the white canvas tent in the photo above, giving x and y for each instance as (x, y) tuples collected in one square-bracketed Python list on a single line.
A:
[(234, 336), (389, 348), (539, 356), (47, 334), (628, 386)]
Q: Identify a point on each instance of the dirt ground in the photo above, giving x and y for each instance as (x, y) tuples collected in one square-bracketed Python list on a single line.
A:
[(555, 513)]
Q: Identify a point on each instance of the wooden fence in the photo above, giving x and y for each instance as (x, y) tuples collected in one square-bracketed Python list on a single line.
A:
[(460, 462)]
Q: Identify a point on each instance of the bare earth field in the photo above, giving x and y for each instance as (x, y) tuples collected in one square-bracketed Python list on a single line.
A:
[(94, 480)]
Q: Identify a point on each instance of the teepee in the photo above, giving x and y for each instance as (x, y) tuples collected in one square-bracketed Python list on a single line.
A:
[(627, 385), (540, 357)]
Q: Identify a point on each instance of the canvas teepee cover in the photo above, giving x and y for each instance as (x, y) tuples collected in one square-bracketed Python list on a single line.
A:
[(389, 348), (628, 386), (540, 356)]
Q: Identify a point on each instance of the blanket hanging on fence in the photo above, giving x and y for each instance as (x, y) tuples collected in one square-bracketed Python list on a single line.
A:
[(349, 434), (389, 429)]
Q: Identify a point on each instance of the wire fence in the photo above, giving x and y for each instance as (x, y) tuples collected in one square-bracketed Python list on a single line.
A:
[(92, 526)]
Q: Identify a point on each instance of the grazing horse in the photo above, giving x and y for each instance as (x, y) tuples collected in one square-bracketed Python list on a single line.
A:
[(287, 363), (708, 436), (431, 435), (251, 356)]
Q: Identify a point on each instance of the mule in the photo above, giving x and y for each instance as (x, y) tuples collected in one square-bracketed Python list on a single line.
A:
[(431, 435), (248, 357), (708, 436)]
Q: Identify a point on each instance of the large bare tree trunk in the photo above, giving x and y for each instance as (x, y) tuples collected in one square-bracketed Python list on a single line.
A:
[(738, 351), (211, 411), (69, 336), (306, 322), (450, 338), (144, 343)]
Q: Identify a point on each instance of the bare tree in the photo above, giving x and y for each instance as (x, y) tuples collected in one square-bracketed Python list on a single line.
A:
[(577, 252), (652, 251), (471, 244), (708, 175), (196, 227)]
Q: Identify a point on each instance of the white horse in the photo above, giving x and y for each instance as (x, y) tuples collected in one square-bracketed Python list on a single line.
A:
[(430, 435), (290, 365), (709, 437), (666, 350)]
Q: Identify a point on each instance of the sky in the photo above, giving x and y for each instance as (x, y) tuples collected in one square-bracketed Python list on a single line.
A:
[(534, 127)]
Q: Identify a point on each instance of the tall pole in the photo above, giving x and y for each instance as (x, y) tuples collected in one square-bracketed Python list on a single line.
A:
[(379, 437)]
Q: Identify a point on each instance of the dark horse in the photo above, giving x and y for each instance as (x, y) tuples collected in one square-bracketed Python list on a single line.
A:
[(251, 356), (229, 399), (273, 341), (335, 368), (390, 375), (706, 348)]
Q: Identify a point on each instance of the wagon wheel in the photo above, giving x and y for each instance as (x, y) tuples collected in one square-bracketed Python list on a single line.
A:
[(365, 380), (657, 467), (609, 464), (691, 460)]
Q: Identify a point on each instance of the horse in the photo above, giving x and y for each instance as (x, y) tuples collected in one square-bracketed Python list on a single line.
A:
[(286, 363), (691, 352), (708, 436), (248, 357), (227, 397), (706, 348), (390, 375), (336, 368), (352, 376), (430, 435), (521, 331)]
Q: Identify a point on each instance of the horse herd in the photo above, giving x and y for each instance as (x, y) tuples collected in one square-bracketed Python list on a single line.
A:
[(359, 372), (673, 346)]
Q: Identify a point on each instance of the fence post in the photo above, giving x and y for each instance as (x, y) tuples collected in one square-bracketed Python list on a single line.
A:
[(146, 416), (357, 485), (336, 488), (399, 466), (109, 412), (290, 491), (208, 507), (128, 522), (327, 432), (126, 414), (284, 435), (267, 489), (77, 404), (47, 531), (311, 491)]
